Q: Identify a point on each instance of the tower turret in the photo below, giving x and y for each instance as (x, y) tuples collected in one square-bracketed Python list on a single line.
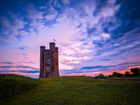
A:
[(42, 49), (56, 62), (52, 58)]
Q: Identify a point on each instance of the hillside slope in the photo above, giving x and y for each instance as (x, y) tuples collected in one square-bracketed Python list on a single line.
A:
[(76, 91), (11, 85)]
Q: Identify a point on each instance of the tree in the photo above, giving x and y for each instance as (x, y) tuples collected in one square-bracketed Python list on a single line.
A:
[(110, 76), (115, 74), (135, 71), (127, 74), (101, 75)]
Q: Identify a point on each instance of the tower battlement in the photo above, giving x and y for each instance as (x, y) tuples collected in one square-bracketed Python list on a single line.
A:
[(49, 65)]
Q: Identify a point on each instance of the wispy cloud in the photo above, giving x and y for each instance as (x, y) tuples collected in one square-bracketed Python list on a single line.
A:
[(18, 66), (7, 62)]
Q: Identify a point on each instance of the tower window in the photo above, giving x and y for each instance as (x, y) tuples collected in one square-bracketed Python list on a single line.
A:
[(47, 68), (48, 54), (48, 62)]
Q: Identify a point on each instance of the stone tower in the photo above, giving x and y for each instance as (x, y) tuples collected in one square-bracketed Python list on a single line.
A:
[(49, 65)]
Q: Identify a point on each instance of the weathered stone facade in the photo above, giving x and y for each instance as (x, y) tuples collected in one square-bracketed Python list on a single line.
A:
[(49, 65)]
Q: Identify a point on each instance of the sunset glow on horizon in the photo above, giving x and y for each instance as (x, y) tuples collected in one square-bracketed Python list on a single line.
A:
[(92, 36)]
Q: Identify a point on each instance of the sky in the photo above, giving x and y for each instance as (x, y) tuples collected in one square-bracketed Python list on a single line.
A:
[(93, 36)]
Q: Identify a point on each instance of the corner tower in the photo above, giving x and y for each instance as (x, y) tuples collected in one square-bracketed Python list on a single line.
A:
[(42, 49), (49, 65)]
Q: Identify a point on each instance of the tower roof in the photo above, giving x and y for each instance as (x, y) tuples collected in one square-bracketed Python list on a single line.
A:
[(52, 43), (42, 46)]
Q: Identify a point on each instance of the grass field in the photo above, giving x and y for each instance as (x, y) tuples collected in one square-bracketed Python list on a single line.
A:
[(19, 90)]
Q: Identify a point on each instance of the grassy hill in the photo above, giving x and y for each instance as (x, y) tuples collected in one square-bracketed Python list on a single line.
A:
[(20, 90)]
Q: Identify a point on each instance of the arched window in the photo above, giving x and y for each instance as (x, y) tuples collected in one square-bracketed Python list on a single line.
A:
[(48, 61)]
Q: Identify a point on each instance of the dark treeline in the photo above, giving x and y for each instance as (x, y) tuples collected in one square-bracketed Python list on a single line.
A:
[(134, 72)]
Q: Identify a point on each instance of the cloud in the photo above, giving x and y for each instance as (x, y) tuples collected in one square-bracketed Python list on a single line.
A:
[(19, 66), (17, 23), (121, 65), (93, 67), (11, 39), (11, 27), (22, 48), (105, 59), (33, 13), (56, 4), (21, 71), (91, 30), (23, 33), (129, 19), (105, 8), (67, 2), (51, 16), (36, 15), (42, 7), (26, 60), (24, 54), (7, 62), (36, 24), (32, 71), (121, 45), (5, 24)]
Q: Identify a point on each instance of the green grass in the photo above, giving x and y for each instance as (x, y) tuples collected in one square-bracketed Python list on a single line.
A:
[(19, 90)]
